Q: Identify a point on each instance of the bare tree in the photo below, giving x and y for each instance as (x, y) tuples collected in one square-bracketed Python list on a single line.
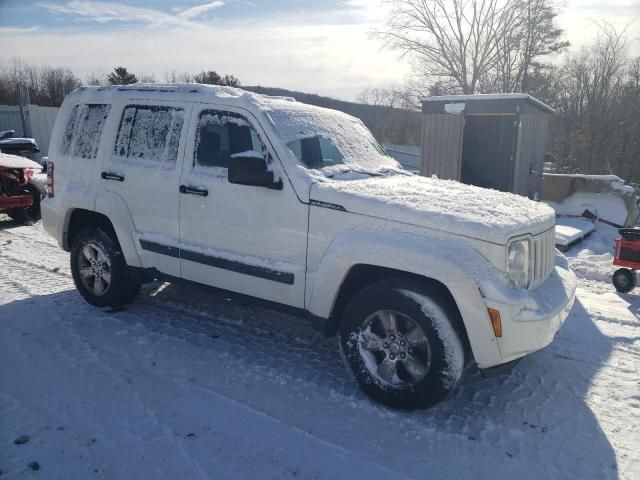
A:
[(95, 79), (178, 77), (596, 93), (472, 46), (56, 84), (47, 86), (146, 78), (532, 36), (448, 38), (394, 116)]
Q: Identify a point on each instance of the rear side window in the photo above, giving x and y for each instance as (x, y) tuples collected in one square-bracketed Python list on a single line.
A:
[(150, 134), (83, 130)]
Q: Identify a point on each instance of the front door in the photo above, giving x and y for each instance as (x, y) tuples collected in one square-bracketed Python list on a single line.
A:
[(144, 170), (246, 239)]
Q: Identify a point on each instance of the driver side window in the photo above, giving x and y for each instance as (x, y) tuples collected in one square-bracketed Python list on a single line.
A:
[(223, 135)]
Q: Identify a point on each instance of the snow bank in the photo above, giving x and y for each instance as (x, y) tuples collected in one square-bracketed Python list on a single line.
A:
[(592, 259), (441, 205), (608, 206)]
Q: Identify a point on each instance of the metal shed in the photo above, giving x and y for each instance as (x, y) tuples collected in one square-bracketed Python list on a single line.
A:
[(494, 141)]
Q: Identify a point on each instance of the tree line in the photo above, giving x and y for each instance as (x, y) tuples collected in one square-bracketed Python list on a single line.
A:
[(47, 86)]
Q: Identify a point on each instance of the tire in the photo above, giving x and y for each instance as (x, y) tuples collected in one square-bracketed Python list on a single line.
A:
[(426, 350), (624, 280), (100, 271), (29, 215), (19, 215), (33, 211)]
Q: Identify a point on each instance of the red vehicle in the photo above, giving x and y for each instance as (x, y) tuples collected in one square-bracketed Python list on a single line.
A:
[(19, 195), (627, 255)]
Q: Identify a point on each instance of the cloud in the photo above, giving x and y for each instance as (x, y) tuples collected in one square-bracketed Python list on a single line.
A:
[(336, 60), (106, 12), (198, 10), (18, 29)]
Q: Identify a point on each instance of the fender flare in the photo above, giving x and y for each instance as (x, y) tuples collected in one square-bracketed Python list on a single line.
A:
[(461, 273), (112, 206)]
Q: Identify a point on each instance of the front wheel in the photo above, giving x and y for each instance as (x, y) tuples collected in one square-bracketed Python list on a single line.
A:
[(624, 280), (99, 270), (399, 341)]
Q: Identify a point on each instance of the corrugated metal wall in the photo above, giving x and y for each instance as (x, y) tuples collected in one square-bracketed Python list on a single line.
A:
[(40, 121), (442, 145), (10, 119)]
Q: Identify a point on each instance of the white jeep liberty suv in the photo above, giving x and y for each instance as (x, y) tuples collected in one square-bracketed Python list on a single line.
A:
[(301, 207)]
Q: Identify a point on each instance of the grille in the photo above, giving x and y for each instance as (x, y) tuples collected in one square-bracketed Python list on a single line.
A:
[(544, 247)]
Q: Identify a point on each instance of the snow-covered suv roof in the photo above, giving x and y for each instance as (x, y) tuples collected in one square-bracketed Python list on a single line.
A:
[(190, 92)]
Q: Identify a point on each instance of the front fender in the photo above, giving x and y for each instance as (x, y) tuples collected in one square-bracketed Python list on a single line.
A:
[(451, 261)]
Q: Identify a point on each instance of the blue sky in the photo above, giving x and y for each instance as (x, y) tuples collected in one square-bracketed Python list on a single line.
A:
[(63, 14), (317, 46)]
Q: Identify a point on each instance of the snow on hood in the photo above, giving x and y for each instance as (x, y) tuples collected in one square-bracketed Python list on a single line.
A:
[(443, 205), (14, 161)]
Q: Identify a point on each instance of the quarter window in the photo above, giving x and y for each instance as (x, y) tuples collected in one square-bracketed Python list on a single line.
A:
[(150, 133), (222, 135), (84, 129)]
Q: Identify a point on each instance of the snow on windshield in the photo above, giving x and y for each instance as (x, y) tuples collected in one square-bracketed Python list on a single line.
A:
[(322, 138)]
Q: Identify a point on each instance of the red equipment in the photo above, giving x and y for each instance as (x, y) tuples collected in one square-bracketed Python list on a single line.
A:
[(19, 198), (627, 255)]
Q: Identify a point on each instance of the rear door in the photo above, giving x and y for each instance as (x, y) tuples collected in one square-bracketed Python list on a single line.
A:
[(246, 239), (143, 168)]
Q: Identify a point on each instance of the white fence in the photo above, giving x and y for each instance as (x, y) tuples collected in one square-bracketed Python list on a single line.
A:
[(38, 121)]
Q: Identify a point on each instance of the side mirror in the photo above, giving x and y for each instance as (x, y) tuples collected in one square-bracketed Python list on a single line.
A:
[(246, 169)]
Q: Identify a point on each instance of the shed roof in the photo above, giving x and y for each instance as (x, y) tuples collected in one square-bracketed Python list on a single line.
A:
[(484, 103)]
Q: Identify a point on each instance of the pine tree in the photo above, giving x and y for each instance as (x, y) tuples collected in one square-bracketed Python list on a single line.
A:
[(120, 76)]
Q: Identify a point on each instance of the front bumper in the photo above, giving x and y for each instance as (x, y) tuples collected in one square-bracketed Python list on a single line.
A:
[(531, 321)]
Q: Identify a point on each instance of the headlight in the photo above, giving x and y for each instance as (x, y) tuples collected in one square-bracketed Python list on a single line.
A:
[(518, 264)]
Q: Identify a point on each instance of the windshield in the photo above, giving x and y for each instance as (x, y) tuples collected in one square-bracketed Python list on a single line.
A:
[(321, 139)]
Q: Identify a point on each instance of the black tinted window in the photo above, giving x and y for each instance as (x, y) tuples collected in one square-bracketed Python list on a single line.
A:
[(221, 135), (83, 130), (150, 133)]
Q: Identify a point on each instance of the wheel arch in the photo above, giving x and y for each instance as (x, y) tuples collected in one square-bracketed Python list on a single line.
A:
[(79, 219), (363, 275)]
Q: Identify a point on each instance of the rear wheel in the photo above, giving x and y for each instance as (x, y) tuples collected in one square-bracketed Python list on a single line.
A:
[(399, 341), (99, 270), (624, 280)]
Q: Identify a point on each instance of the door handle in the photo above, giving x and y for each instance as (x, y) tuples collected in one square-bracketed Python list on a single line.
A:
[(193, 191), (112, 176)]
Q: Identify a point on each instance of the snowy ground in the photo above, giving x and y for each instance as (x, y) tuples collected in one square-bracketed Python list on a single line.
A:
[(186, 385)]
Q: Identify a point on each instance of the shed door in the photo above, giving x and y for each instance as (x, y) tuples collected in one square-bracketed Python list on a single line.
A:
[(442, 145), (488, 149)]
